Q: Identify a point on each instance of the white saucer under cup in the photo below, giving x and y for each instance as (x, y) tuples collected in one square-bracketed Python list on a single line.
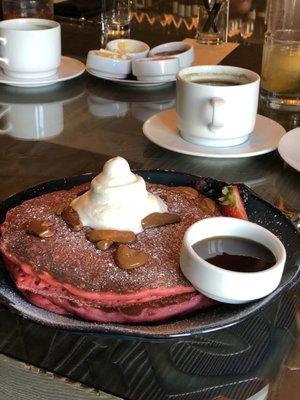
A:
[(161, 129), (69, 68)]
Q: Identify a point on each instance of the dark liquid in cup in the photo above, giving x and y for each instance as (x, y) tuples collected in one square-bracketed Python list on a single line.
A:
[(210, 82), (235, 253), (170, 52), (217, 79)]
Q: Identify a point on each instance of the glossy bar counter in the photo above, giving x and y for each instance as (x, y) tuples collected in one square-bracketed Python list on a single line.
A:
[(73, 128)]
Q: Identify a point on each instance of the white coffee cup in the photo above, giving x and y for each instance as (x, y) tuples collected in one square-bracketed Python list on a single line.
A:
[(33, 121), (30, 47), (216, 115)]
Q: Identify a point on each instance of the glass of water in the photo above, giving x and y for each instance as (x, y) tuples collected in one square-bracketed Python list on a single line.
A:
[(115, 19), (212, 21)]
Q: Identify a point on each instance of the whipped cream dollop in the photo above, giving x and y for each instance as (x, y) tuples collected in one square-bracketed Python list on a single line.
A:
[(118, 199)]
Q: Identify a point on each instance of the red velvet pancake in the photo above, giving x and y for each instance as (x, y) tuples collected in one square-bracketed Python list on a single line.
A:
[(67, 274)]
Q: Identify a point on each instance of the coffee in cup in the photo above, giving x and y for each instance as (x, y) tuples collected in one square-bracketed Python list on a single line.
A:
[(30, 47), (216, 105)]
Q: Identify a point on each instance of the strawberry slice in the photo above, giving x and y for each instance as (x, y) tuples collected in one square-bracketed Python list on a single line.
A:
[(231, 204)]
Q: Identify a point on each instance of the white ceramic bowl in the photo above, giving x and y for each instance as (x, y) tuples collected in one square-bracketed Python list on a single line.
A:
[(156, 69), (224, 285), (186, 58), (134, 48), (108, 67)]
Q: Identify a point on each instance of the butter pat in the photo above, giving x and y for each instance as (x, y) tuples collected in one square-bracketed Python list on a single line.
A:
[(117, 200), (112, 54)]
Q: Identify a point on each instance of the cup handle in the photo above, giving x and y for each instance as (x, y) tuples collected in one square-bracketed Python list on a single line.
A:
[(3, 42), (2, 114), (218, 113)]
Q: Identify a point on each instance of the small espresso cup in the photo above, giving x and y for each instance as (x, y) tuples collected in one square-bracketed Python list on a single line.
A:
[(30, 47), (216, 105)]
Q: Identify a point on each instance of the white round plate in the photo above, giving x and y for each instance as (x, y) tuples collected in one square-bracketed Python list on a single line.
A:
[(289, 148), (128, 82), (69, 68), (161, 129)]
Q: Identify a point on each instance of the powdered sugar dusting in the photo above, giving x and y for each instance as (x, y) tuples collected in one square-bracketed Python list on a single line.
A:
[(70, 258)]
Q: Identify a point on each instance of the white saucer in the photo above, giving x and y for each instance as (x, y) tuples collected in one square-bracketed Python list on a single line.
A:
[(127, 82), (289, 148), (69, 68), (161, 129)]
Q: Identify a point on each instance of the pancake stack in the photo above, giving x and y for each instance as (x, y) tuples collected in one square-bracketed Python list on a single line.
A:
[(67, 274)]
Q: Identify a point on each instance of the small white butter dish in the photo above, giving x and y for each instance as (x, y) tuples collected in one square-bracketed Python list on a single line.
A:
[(224, 285), (109, 64), (134, 48), (155, 69)]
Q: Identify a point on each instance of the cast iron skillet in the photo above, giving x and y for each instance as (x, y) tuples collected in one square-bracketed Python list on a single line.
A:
[(220, 316)]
